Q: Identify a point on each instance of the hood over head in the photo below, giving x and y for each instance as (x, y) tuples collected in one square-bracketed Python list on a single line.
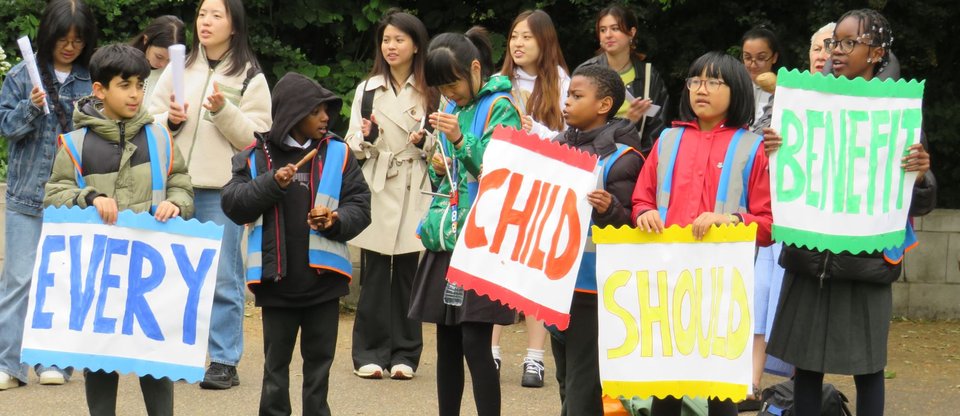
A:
[(294, 97)]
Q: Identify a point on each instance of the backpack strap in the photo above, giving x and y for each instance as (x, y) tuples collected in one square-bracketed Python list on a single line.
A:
[(160, 147), (251, 72), (73, 142), (606, 164), (366, 110)]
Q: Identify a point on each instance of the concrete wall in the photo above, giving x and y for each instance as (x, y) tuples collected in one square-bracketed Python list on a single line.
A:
[(928, 289)]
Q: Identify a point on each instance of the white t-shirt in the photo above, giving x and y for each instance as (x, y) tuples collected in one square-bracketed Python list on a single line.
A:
[(61, 76), (523, 84)]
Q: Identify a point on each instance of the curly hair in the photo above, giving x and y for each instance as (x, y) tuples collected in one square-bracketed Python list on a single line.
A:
[(608, 84)]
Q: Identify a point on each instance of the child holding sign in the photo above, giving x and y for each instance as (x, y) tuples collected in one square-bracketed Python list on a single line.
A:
[(295, 175), (690, 160), (595, 94), (108, 164), (66, 38), (460, 66), (835, 308)]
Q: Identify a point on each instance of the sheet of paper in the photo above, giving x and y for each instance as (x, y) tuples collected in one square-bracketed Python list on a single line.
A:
[(27, 51), (177, 57)]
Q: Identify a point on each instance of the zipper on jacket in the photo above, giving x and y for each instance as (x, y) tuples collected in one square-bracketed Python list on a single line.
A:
[(123, 132), (823, 270), (196, 128)]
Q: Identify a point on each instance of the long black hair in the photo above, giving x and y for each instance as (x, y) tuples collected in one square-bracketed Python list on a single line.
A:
[(451, 55), (58, 18), (240, 51), (734, 74), (162, 32), (417, 32)]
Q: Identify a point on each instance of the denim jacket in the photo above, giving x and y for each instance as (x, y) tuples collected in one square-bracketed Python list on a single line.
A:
[(32, 136)]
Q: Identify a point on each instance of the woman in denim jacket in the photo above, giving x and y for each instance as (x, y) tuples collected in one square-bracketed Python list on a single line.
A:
[(66, 38)]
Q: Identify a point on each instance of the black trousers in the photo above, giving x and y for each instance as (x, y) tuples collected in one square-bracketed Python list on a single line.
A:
[(470, 340), (101, 391), (578, 365), (382, 333), (671, 406), (317, 326), (808, 393)]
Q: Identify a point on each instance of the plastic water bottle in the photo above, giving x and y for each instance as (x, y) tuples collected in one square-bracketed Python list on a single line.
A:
[(453, 294)]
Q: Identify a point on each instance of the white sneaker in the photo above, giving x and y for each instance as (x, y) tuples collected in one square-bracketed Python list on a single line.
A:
[(401, 372), (8, 382), (371, 371), (52, 378)]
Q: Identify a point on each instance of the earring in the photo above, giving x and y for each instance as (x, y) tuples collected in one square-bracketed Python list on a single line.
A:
[(869, 61)]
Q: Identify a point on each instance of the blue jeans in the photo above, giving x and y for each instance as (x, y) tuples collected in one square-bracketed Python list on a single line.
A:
[(22, 236), (226, 319)]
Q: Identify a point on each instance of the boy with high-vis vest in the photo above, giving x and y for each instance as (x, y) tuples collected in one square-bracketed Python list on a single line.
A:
[(119, 159), (305, 196), (707, 170)]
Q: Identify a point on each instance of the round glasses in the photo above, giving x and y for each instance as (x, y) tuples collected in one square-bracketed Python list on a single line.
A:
[(711, 84)]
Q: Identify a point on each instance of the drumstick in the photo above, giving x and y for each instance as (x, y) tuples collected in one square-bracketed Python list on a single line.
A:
[(306, 158)]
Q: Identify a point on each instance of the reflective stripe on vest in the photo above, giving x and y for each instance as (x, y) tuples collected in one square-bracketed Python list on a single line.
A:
[(737, 163), (587, 274), (325, 253), (254, 261), (160, 151)]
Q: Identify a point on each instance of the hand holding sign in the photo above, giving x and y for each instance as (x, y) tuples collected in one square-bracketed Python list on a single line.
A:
[(917, 160)]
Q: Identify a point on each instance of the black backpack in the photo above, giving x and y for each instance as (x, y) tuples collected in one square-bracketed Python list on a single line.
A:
[(777, 400)]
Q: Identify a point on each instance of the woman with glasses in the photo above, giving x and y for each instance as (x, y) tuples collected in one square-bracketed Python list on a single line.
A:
[(835, 309), (761, 51), (818, 53)]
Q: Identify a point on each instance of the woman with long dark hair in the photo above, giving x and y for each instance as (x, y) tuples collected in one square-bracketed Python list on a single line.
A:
[(153, 41)]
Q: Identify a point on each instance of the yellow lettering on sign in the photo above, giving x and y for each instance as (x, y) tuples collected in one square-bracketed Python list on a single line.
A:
[(614, 282)]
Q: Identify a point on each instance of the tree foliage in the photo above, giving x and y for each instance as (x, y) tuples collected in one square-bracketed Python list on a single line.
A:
[(332, 41)]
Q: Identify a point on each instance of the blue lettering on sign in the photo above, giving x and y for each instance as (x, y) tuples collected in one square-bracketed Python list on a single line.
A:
[(51, 244), (82, 291), (193, 277), (102, 324), (137, 306)]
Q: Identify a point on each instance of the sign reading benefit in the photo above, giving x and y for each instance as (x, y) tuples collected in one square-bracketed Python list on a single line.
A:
[(840, 160), (131, 297)]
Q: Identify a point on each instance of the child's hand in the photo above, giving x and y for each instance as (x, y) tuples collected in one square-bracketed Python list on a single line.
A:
[(917, 160), (439, 167), (37, 97), (448, 124), (771, 140), (526, 123), (366, 125), (177, 113), (600, 200), (284, 175), (216, 101), (321, 218), (650, 221), (638, 108), (417, 136), (107, 208), (707, 219), (166, 210)]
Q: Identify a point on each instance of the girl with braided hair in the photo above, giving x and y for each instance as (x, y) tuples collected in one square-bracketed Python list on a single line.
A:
[(835, 308), (66, 37)]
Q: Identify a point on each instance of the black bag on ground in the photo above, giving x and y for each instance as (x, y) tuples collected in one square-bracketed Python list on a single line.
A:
[(777, 400)]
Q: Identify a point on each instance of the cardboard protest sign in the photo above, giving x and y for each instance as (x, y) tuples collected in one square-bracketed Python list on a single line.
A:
[(523, 240), (676, 314), (131, 297), (836, 181)]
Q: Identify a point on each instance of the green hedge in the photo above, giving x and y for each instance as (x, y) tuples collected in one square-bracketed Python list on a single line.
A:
[(332, 41)]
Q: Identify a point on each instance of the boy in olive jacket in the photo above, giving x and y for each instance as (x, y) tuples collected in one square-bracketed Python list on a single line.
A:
[(109, 163)]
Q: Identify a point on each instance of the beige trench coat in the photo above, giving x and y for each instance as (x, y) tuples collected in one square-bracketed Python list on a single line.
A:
[(395, 170)]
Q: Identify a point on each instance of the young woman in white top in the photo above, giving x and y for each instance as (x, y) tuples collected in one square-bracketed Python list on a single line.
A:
[(538, 73), (226, 100), (396, 171)]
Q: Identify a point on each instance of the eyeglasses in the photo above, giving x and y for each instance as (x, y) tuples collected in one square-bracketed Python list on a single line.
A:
[(76, 43), (712, 84), (759, 60), (844, 45)]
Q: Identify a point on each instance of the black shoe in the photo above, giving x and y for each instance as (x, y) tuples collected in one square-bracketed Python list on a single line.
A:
[(220, 377), (532, 373)]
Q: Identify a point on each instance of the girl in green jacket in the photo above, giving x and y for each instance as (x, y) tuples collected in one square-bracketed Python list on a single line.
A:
[(460, 66)]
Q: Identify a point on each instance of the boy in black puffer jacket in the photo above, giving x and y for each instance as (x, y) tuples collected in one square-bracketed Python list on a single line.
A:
[(298, 272), (595, 93)]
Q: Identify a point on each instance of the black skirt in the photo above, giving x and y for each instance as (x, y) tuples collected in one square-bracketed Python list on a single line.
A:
[(841, 328), (426, 298)]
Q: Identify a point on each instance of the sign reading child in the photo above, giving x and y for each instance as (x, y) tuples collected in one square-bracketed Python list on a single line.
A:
[(840, 161), (130, 297), (524, 237), (676, 320)]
